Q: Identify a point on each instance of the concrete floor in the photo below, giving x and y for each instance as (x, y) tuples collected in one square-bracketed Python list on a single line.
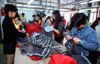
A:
[(3, 58)]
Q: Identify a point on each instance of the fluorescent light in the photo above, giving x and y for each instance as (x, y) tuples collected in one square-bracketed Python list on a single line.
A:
[(94, 1), (19, 4), (30, 2), (18, 8), (84, 3), (27, 9), (30, 6)]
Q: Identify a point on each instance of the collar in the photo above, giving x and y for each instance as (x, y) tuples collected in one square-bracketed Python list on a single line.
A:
[(83, 28)]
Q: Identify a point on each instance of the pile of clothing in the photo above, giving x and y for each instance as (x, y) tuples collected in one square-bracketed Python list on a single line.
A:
[(74, 52), (31, 28), (39, 45)]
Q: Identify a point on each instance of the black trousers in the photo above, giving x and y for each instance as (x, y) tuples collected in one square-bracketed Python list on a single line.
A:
[(93, 56)]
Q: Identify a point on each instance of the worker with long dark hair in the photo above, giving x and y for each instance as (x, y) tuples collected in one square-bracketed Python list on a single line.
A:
[(58, 25)]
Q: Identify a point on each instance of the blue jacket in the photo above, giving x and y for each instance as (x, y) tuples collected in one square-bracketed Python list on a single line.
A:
[(88, 39)]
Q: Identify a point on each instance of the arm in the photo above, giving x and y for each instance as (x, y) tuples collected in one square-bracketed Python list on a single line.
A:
[(25, 19), (12, 28), (60, 28), (39, 22), (92, 43)]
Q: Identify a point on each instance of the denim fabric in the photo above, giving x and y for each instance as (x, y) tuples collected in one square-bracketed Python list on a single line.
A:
[(46, 23), (48, 31), (88, 39), (38, 45), (80, 59), (72, 48)]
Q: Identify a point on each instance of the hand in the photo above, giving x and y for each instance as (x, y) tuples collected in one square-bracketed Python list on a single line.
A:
[(27, 35), (69, 37), (49, 22), (76, 40), (20, 30), (20, 24)]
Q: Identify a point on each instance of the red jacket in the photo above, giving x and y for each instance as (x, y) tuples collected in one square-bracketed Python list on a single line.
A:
[(64, 22), (61, 59)]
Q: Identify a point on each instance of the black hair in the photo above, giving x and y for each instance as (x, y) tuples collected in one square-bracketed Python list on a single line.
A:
[(71, 24), (95, 23), (47, 18), (10, 7), (87, 17), (57, 18), (17, 15), (23, 13), (39, 16), (44, 15), (79, 19), (62, 17), (33, 16)]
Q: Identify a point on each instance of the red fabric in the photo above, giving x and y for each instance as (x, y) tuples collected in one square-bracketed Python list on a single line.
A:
[(64, 21), (33, 28), (55, 34), (34, 58), (17, 45), (61, 59)]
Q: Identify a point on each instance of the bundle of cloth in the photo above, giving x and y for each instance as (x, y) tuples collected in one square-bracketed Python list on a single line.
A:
[(31, 28), (74, 52), (39, 45)]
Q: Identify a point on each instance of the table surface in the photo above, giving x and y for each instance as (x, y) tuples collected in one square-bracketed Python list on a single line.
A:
[(22, 59)]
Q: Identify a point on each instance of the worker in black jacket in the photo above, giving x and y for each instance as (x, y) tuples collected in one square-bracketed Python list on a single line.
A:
[(10, 33)]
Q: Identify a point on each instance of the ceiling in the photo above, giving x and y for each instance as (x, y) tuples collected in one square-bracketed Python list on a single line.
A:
[(64, 5)]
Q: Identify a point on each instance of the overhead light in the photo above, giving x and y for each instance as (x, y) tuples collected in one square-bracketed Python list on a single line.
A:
[(84, 3), (30, 2), (94, 1), (31, 6), (19, 4), (28, 5), (27, 9), (18, 8)]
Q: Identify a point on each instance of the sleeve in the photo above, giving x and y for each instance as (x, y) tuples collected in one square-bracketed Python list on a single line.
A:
[(39, 22), (25, 19), (60, 26), (14, 30), (92, 43)]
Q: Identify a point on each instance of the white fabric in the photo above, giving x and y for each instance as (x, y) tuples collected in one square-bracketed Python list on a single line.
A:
[(48, 28), (97, 28)]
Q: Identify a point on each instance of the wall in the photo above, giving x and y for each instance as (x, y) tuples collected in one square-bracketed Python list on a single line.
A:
[(28, 13), (2, 3)]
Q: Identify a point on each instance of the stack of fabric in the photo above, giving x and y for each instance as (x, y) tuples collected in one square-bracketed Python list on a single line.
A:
[(31, 28)]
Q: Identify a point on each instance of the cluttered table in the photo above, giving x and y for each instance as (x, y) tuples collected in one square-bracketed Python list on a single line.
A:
[(22, 59)]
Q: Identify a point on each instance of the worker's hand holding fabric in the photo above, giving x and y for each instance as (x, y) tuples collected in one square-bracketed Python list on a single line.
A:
[(27, 35), (76, 40), (69, 37)]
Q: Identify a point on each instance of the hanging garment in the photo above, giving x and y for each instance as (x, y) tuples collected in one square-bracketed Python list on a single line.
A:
[(48, 31), (72, 48), (61, 59)]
